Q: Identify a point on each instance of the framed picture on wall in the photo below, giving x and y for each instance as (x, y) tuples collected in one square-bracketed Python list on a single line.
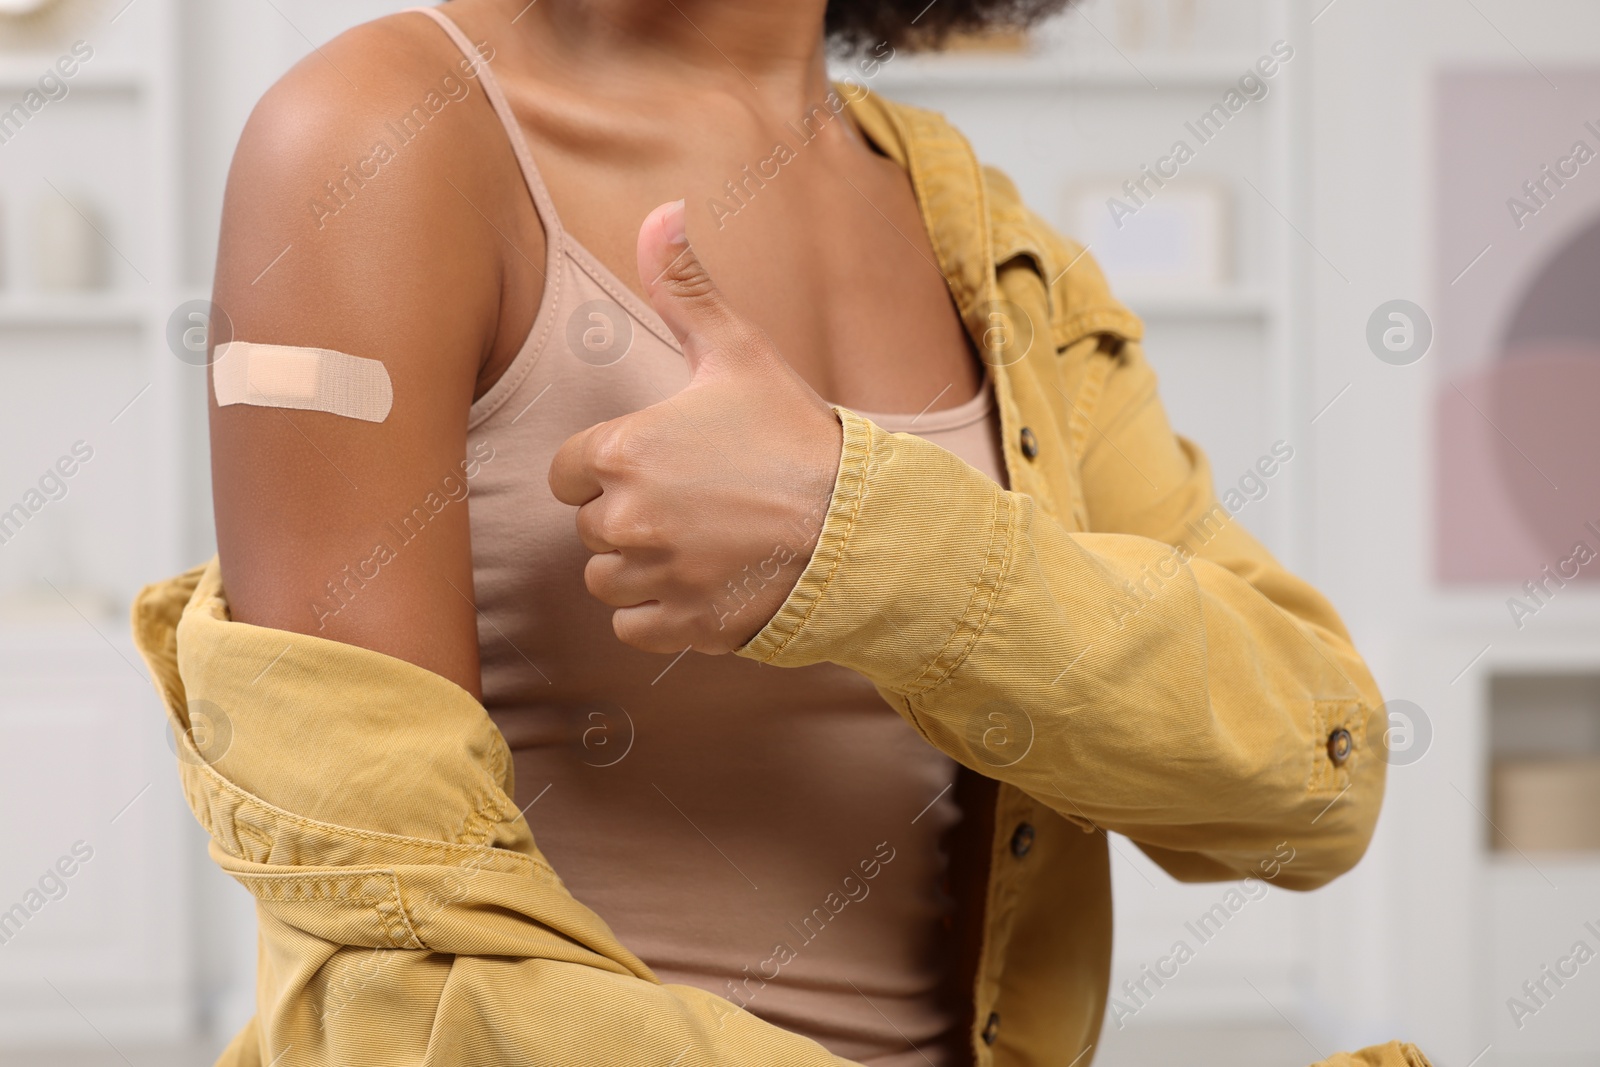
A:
[(1517, 364), (1170, 237)]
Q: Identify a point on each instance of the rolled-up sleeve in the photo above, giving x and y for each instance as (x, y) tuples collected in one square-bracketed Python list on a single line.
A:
[(1159, 674)]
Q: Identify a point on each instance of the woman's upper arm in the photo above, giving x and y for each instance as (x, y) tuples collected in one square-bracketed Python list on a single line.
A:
[(338, 235)]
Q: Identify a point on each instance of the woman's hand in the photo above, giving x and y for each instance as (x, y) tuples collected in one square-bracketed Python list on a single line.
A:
[(701, 510)]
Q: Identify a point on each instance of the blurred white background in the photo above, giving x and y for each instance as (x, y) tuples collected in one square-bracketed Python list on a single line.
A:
[(1370, 167)]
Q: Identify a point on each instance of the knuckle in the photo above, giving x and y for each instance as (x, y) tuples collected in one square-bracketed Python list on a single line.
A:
[(599, 576), (615, 449), (626, 525), (585, 525), (707, 640), (690, 284), (611, 529), (687, 278), (590, 524)]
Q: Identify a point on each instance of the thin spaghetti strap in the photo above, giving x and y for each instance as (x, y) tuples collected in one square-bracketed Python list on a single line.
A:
[(519, 144), (558, 242)]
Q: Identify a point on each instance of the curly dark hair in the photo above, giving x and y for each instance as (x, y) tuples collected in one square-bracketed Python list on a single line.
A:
[(855, 25)]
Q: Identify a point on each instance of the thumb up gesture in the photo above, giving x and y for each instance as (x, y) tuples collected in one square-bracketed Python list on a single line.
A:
[(702, 510)]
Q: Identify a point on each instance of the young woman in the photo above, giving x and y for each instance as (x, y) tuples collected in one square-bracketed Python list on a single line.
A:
[(690, 352)]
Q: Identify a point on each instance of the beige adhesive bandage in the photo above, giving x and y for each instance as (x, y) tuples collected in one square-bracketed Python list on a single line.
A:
[(310, 379)]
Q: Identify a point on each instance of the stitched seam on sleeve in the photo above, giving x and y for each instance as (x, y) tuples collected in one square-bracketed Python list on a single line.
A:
[(391, 911), (854, 464), (244, 802), (359, 888)]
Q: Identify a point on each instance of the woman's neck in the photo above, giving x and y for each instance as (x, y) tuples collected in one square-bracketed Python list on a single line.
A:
[(771, 47)]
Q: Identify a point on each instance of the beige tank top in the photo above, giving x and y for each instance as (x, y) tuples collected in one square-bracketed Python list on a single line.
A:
[(776, 836)]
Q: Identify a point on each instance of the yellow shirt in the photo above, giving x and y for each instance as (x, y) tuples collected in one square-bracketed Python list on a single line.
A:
[(1102, 639)]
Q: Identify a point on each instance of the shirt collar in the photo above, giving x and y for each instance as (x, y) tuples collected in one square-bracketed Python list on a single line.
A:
[(950, 192)]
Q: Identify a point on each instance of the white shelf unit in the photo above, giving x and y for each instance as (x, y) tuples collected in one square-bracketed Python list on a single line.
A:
[(83, 753), (70, 311), (1220, 305), (1232, 373), (19, 73), (1054, 70), (1493, 917)]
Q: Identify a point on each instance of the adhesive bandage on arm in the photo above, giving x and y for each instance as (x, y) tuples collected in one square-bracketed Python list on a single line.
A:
[(310, 379)]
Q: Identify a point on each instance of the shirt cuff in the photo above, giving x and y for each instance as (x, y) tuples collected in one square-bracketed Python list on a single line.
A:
[(908, 566)]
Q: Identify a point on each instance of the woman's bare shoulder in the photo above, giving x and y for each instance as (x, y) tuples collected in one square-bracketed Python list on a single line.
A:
[(388, 117)]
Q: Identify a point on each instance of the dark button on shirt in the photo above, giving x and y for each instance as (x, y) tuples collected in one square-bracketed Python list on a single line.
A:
[(1021, 840), (991, 1029), (1030, 443)]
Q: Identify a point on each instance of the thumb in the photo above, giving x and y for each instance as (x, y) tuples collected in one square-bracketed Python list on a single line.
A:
[(682, 292)]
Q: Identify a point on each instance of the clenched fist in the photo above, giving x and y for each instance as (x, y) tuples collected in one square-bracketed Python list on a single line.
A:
[(702, 510)]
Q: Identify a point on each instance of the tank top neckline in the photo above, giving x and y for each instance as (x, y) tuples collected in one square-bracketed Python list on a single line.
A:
[(972, 410), (558, 243)]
